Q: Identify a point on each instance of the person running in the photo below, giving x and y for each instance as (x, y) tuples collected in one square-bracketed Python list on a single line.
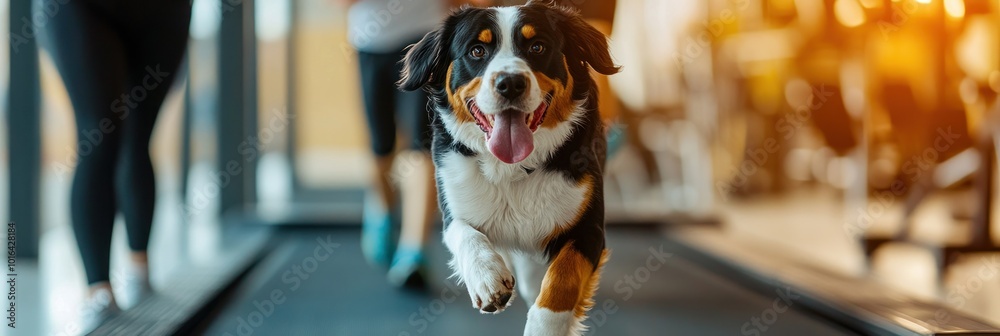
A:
[(117, 59), (381, 32)]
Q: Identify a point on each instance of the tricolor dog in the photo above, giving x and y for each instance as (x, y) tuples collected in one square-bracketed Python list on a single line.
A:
[(519, 152)]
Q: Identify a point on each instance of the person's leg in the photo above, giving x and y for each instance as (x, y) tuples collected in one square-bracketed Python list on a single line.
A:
[(378, 94), (156, 44), (89, 55), (419, 196), (419, 191)]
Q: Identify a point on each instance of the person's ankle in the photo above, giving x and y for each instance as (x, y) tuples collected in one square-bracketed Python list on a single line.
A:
[(409, 247), (408, 253), (101, 290), (138, 258), (133, 283), (97, 286), (376, 201)]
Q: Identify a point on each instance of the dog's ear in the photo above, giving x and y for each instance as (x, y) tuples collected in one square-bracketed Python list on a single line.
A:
[(584, 43), (421, 64), (427, 61)]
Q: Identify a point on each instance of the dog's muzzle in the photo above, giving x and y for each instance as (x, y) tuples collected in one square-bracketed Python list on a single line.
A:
[(510, 133)]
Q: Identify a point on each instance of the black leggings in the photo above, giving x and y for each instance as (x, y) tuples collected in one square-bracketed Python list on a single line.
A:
[(384, 102), (117, 59)]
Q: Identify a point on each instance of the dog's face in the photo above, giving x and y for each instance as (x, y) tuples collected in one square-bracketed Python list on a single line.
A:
[(510, 71)]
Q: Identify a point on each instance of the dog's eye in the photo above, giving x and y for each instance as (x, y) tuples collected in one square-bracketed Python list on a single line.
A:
[(538, 48), (477, 52)]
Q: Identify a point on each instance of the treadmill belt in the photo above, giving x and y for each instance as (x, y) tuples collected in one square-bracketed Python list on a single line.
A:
[(639, 295)]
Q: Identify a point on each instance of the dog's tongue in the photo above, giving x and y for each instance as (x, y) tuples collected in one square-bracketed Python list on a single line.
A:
[(511, 140)]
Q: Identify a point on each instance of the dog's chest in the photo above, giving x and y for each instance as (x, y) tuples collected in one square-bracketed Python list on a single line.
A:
[(514, 209)]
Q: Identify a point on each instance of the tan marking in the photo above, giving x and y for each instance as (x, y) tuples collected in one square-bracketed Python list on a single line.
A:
[(486, 36), (587, 182), (528, 31), (570, 282), (590, 288), (561, 106), (458, 99)]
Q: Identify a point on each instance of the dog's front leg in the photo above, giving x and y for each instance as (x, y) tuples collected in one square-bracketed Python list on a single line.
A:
[(480, 267), (565, 296)]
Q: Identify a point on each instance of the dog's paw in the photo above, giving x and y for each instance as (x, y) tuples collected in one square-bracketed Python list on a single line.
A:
[(490, 285)]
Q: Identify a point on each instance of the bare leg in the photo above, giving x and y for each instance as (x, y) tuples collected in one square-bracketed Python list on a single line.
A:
[(419, 203), (377, 228), (139, 258), (381, 183), (98, 288)]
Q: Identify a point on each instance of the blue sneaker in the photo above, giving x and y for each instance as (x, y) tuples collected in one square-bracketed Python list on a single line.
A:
[(407, 269), (376, 234), (616, 140)]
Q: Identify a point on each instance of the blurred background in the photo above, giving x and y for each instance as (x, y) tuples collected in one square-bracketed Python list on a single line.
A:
[(843, 150)]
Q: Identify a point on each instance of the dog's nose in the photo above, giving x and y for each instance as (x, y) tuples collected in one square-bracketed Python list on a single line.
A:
[(511, 86)]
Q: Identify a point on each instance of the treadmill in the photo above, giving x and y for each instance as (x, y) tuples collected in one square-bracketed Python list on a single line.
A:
[(645, 290)]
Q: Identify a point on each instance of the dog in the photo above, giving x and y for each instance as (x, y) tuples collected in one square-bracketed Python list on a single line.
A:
[(519, 150)]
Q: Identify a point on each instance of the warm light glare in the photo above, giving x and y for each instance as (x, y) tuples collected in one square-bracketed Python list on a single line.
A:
[(922, 1), (954, 8), (849, 13), (871, 3)]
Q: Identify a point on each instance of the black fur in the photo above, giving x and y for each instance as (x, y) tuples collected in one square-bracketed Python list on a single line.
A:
[(565, 34)]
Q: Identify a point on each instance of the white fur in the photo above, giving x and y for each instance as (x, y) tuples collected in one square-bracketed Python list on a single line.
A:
[(501, 215), (513, 214), (506, 62), (496, 208), (530, 271), (545, 322), (477, 264), (499, 207)]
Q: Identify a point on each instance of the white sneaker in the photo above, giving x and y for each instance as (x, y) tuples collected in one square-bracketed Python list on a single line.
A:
[(133, 286), (96, 310)]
